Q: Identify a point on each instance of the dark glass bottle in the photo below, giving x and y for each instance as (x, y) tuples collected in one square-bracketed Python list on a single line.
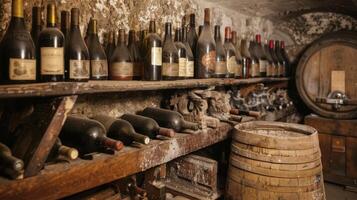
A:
[(87, 135), (236, 45), (36, 24), (65, 24), (205, 51), (254, 72), (153, 55), (200, 28), (98, 59), (232, 66), (170, 59), (277, 64), (191, 34), (147, 126), (190, 66), (270, 64), (51, 44), (142, 46), (60, 151), (246, 60), (221, 56), (17, 50), (121, 66), (78, 60), (169, 119), (287, 69), (10, 165), (182, 54), (110, 48), (121, 130), (262, 59), (135, 55)]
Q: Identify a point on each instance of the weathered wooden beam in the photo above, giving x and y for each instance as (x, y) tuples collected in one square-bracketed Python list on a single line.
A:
[(64, 179), (39, 131), (70, 88)]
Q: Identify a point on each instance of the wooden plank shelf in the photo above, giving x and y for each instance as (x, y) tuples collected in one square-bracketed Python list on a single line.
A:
[(71, 88), (60, 180)]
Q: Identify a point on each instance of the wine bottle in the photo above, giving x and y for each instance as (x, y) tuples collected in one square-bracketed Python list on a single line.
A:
[(135, 55), (246, 61), (51, 44), (190, 58), (236, 45), (110, 48), (169, 119), (232, 66), (98, 59), (254, 72), (221, 56), (17, 50), (142, 46), (191, 34), (262, 59), (182, 54), (170, 59), (147, 126), (36, 24), (87, 135), (121, 130), (59, 151), (287, 69), (121, 66), (153, 56), (282, 61), (77, 63), (206, 50), (270, 63), (275, 59), (10, 165), (200, 28)]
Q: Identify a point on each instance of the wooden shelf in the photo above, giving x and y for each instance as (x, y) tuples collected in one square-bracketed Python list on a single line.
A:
[(64, 179), (70, 88)]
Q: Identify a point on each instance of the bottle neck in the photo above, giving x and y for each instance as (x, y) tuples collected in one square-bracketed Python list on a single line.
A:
[(207, 17), (192, 21), (17, 9), (110, 143), (121, 38), (152, 27), (36, 16), (178, 35), (75, 19), (217, 33), (184, 34), (132, 37), (168, 31), (166, 132), (65, 21), (51, 15), (189, 125), (92, 27), (228, 34)]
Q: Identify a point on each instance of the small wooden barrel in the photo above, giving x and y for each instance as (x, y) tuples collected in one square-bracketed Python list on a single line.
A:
[(328, 66), (273, 160)]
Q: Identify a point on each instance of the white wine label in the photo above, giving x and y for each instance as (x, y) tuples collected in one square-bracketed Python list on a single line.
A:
[(122, 69), (269, 69), (232, 65), (22, 69), (239, 72), (208, 61), (156, 56), (254, 72), (190, 68), (52, 61), (276, 70), (138, 68), (78, 69), (182, 67), (221, 67), (99, 68), (170, 69), (263, 66), (338, 81)]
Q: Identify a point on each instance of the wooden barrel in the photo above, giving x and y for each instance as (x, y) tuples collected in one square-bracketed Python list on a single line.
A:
[(327, 69), (274, 160)]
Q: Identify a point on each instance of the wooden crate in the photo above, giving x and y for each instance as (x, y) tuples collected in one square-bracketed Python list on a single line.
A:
[(338, 143)]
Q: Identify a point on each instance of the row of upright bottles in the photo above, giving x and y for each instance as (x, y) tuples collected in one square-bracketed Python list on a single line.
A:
[(62, 54)]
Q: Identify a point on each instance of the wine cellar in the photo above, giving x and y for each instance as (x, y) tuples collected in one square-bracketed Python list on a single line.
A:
[(178, 100)]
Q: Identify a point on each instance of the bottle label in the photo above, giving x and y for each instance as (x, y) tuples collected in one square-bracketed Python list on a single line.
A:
[(156, 56), (239, 70), (232, 65), (254, 72), (208, 61), (122, 69), (137, 68), (275, 70), (22, 69), (99, 68), (262, 66), (78, 69), (170, 69), (269, 69), (52, 61), (182, 67), (221, 67), (280, 70), (190, 69)]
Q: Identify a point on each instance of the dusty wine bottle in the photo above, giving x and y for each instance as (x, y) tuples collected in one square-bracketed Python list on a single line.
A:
[(190, 58), (51, 44), (10, 165), (98, 59), (153, 55), (169, 119), (232, 66), (36, 24), (147, 126), (287, 68), (205, 50), (182, 54), (220, 70), (78, 60), (254, 69), (236, 44), (60, 151), (270, 63), (135, 55), (110, 48), (282, 66), (191, 34), (277, 64), (170, 59), (87, 135), (262, 59), (246, 61), (121, 130), (17, 50)]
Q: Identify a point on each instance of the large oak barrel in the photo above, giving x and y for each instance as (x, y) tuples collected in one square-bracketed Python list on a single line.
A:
[(327, 69), (273, 160)]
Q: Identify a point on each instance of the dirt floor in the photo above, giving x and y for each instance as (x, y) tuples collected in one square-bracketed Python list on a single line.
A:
[(337, 192)]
